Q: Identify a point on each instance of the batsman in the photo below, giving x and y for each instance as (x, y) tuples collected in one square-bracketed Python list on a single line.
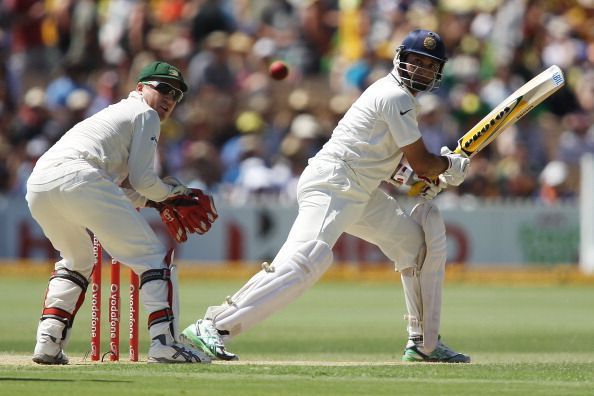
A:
[(377, 140), (91, 182)]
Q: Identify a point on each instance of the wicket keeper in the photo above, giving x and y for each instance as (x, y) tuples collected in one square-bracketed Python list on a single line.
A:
[(91, 181)]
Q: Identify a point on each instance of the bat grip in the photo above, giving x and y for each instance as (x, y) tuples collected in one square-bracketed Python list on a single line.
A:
[(415, 189)]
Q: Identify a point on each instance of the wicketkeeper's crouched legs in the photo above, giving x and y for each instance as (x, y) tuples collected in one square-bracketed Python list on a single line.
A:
[(65, 294), (158, 292)]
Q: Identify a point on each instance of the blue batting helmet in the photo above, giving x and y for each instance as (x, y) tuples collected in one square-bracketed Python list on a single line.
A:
[(421, 42), (424, 42)]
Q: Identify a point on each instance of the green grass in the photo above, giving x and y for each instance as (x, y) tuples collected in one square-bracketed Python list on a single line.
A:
[(436, 379), (338, 339)]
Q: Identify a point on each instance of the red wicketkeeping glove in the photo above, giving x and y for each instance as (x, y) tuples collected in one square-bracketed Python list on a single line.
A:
[(195, 211), (206, 202), (172, 221)]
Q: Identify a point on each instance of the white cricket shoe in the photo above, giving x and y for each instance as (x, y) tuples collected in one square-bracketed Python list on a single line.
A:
[(48, 349), (164, 349), (203, 335)]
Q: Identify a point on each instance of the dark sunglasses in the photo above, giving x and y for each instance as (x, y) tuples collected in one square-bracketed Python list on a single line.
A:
[(165, 89)]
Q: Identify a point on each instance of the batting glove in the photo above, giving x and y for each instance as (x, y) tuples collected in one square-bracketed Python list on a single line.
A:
[(432, 187), (457, 169)]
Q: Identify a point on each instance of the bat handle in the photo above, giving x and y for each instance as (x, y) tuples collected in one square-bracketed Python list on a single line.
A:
[(416, 189)]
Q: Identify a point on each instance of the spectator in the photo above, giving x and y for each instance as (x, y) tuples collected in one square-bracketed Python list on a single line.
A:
[(72, 77), (209, 68), (577, 139), (210, 17), (29, 59), (334, 49), (236, 149), (554, 186), (31, 119), (439, 128)]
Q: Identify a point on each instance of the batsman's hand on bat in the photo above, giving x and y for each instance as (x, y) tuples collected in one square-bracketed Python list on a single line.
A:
[(429, 188), (432, 187), (195, 210), (172, 222), (457, 169)]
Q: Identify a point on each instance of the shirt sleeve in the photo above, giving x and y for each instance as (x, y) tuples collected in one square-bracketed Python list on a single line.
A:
[(141, 162), (400, 114), (137, 199)]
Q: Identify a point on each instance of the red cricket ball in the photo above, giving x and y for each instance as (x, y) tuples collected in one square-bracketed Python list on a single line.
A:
[(278, 70)]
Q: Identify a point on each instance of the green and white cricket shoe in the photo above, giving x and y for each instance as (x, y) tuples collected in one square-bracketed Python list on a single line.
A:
[(203, 335), (441, 354), (164, 349)]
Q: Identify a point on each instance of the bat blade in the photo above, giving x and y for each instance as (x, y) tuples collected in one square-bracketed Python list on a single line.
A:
[(514, 107)]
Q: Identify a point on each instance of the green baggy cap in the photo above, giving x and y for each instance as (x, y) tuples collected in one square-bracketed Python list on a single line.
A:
[(162, 70)]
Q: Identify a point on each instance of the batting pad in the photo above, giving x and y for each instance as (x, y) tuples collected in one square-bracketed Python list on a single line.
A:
[(175, 299), (272, 288), (423, 290)]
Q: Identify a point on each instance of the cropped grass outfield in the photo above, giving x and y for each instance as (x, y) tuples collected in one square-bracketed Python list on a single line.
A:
[(340, 338)]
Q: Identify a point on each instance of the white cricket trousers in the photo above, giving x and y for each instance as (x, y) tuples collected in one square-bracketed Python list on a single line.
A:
[(91, 202), (65, 211), (330, 202)]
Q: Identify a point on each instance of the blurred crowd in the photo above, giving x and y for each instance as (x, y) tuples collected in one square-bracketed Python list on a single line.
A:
[(243, 136)]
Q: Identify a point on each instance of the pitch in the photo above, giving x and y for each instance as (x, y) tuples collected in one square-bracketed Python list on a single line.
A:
[(340, 338)]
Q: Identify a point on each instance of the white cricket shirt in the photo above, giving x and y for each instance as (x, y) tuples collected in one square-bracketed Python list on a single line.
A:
[(369, 136), (120, 141)]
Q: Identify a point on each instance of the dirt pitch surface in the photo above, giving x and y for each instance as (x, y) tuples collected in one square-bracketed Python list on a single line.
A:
[(25, 360)]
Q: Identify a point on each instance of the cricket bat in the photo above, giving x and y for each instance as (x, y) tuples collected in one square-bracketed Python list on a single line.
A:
[(514, 107)]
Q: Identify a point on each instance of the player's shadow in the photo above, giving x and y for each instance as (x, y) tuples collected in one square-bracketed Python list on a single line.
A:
[(57, 380)]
